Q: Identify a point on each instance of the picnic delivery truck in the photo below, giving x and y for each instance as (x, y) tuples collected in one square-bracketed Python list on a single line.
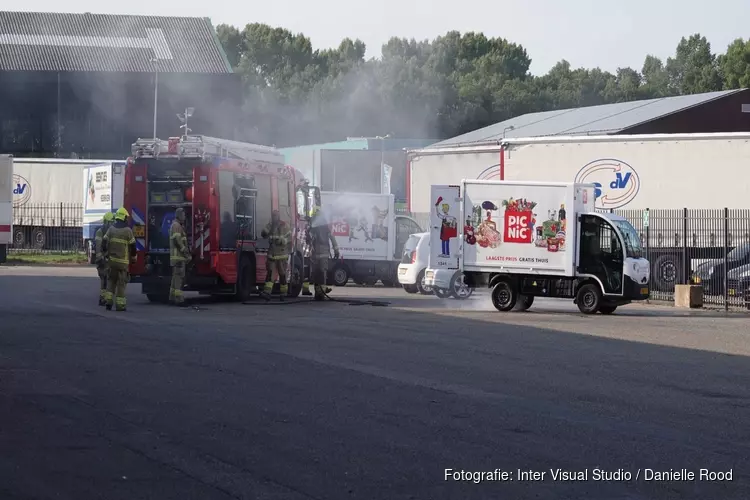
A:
[(537, 239)]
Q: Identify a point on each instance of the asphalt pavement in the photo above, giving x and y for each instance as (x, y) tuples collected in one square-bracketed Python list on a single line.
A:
[(379, 395)]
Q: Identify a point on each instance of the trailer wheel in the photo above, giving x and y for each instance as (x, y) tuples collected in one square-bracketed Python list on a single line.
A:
[(589, 298), (19, 237), (340, 275), (524, 303), (504, 295), (38, 238)]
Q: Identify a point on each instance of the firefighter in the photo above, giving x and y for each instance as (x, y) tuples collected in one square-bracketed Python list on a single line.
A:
[(320, 236), (179, 256), (279, 235), (118, 246), (101, 263)]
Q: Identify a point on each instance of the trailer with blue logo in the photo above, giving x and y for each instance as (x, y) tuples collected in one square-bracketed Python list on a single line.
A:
[(103, 189)]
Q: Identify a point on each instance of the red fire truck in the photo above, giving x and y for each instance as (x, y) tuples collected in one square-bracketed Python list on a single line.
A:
[(228, 190)]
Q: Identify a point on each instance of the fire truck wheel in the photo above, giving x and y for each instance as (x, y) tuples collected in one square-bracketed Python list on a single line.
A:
[(246, 279), (158, 298), (340, 275)]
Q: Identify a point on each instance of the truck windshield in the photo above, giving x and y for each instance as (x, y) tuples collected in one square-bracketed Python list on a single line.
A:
[(632, 240)]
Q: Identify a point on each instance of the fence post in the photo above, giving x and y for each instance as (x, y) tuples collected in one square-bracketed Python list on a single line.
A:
[(726, 262), (685, 261), (61, 215), (648, 244)]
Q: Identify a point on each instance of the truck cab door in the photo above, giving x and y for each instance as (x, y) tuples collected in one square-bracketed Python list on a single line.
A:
[(600, 253), (445, 239)]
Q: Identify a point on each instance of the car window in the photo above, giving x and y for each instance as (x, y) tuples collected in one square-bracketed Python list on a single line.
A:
[(412, 243)]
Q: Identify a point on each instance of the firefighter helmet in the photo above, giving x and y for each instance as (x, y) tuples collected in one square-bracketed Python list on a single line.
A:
[(109, 217), (121, 214)]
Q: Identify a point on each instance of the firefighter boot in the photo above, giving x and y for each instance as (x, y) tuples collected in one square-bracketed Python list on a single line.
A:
[(319, 294), (283, 291), (306, 288)]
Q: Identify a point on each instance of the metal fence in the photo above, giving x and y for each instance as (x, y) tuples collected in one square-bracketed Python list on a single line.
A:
[(709, 247), (47, 228)]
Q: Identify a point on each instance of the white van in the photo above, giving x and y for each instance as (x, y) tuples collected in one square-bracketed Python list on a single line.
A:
[(411, 270)]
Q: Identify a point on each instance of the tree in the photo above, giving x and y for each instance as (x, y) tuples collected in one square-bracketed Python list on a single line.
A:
[(453, 84), (735, 65), (694, 68)]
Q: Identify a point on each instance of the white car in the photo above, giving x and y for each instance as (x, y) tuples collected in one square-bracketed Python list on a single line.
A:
[(413, 264), (448, 283)]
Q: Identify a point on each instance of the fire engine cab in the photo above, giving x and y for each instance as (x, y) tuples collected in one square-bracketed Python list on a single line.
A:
[(228, 190)]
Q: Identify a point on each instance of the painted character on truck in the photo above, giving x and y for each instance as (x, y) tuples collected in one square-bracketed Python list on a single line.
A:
[(448, 226)]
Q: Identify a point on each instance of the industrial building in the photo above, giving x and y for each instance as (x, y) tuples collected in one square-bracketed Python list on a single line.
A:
[(86, 85), (724, 111)]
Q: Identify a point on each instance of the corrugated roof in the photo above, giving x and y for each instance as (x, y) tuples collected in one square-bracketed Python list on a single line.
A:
[(37, 41), (592, 120)]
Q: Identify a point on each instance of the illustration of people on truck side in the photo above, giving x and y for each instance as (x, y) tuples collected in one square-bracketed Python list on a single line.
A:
[(379, 229), (448, 226)]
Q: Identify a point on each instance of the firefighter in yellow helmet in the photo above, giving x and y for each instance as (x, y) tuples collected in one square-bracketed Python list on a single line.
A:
[(118, 246), (179, 256), (319, 236), (280, 238), (101, 262)]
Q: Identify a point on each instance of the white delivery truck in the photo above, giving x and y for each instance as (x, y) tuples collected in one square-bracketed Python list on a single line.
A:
[(537, 239), (370, 236), (660, 171), (103, 188), (6, 205), (47, 195)]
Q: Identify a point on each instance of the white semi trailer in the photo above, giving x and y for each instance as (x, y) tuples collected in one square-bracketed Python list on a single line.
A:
[(47, 195), (664, 171)]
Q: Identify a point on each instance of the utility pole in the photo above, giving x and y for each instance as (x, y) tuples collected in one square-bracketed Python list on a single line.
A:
[(155, 60)]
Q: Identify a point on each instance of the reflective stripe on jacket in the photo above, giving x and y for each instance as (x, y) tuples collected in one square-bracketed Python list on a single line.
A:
[(177, 243), (119, 244), (279, 236)]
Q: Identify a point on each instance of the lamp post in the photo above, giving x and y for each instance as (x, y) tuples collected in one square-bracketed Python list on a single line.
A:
[(155, 60), (506, 129)]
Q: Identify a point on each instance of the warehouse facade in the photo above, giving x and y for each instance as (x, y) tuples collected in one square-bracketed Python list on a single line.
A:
[(86, 85), (698, 113)]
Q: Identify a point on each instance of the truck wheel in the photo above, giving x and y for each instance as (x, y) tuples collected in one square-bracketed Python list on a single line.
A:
[(340, 275), (667, 272), (246, 279), (524, 302), (38, 238), (607, 308), (589, 298), (460, 289), (410, 288), (441, 294), (295, 280), (504, 296)]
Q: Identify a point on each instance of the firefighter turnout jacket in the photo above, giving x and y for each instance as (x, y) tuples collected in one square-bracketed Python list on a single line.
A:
[(118, 244), (280, 237), (178, 246)]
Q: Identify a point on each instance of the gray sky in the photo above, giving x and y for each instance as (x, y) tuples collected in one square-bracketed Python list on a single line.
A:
[(582, 31)]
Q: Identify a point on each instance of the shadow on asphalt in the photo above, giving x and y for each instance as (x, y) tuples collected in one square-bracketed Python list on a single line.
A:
[(358, 405)]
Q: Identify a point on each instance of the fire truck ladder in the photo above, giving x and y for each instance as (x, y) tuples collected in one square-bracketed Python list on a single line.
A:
[(200, 146)]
